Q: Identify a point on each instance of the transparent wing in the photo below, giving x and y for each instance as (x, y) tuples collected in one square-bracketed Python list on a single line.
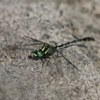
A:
[(35, 41), (19, 46), (67, 59), (22, 43)]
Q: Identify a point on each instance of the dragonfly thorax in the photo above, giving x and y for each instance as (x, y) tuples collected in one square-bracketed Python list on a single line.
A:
[(44, 51)]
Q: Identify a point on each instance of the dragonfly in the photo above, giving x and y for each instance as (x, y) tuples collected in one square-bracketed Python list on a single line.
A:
[(48, 50)]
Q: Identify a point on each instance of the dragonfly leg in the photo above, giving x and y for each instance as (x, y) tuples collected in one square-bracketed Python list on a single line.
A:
[(47, 60), (55, 44)]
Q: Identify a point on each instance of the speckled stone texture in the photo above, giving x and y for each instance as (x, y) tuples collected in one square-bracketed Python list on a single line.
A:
[(55, 78)]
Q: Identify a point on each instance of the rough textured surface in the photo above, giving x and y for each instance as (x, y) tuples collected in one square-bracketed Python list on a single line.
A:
[(22, 78)]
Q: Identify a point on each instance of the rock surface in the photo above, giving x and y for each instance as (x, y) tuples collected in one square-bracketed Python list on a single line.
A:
[(55, 78)]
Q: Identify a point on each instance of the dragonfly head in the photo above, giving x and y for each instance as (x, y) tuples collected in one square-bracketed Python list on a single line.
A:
[(37, 53)]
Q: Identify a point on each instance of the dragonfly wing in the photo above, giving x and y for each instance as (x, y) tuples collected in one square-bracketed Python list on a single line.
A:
[(67, 59), (37, 42), (14, 47), (14, 42)]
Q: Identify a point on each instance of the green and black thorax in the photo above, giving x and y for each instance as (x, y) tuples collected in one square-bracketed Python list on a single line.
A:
[(45, 51)]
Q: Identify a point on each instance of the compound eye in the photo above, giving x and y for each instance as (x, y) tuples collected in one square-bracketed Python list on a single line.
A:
[(39, 54)]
